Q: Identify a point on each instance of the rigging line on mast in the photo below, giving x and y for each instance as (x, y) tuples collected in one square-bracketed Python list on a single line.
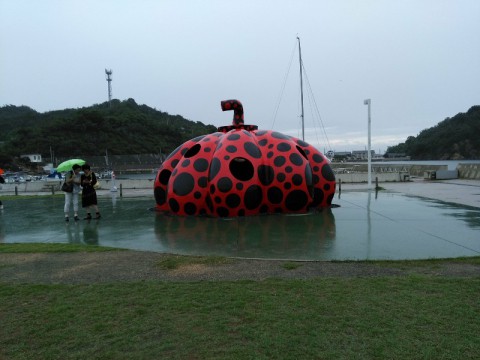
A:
[(282, 89), (316, 107)]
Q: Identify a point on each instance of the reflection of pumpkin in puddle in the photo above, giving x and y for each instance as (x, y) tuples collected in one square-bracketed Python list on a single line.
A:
[(307, 235), (241, 170)]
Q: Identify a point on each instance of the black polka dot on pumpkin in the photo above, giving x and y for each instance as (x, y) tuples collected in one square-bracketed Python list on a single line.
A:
[(288, 169), (283, 147), (317, 158), (164, 176), (287, 186), (194, 150), (174, 206), (252, 150), (175, 163), (183, 184), (329, 199), (231, 149), (224, 184), (214, 168), (296, 159), (200, 165), (185, 163), (209, 203), (326, 187), (265, 174), (278, 135), (281, 177), (270, 154), (302, 143), (316, 179), (202, 182), (190, 208), (309, 179), (296, 200), (233, 200), (160, 195), (275, 195), (233, 137), (297, 180), (318, 196), (279, 161), (253, 197), (239, 186), (218, 199), (263, 142), (327, 173), (261, 132)]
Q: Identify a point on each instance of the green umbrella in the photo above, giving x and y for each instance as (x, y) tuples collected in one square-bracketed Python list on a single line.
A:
[(67, 165)]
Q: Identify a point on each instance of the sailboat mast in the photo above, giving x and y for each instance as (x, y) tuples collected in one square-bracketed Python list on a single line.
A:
[(301, 87)]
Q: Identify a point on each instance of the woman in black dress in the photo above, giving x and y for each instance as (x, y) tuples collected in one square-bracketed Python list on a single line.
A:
[(89, 195)]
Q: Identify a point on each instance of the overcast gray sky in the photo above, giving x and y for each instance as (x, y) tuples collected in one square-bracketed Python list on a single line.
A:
[(418, 61)]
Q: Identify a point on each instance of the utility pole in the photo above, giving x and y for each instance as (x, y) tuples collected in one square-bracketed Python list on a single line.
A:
[(369, 103), (109, 80)]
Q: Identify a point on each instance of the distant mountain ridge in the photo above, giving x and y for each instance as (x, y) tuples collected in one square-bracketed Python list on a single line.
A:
[(128, 128), (456, 138), (122, 128)]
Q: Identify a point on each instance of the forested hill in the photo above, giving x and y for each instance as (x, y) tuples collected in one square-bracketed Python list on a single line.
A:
[(454, 138), (122, 128)]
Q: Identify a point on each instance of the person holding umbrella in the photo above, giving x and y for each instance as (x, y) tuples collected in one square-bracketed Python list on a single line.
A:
[(89, 195), (72, 178), (2, 181)]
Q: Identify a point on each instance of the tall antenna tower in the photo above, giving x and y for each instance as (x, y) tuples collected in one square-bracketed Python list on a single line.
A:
[(109, 80)]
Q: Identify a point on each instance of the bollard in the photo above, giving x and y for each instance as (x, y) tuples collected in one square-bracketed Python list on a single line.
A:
[(53, 189), (16, 190), (339, 187), (376, 182), (121, 190)]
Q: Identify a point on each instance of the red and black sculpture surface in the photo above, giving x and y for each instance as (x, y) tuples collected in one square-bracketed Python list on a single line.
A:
[(242, 171)]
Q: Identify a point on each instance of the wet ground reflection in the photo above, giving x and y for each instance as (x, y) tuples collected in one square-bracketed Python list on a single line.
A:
[(365, 226)]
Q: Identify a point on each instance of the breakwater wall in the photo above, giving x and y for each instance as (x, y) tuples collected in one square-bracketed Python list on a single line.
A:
[(357, 172), (347, 173), (55, 186)]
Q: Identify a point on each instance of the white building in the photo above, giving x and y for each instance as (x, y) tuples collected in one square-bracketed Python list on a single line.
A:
[(34, 158)]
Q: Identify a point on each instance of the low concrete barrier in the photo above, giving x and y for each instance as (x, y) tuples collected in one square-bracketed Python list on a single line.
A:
[(469, 171), (363, 177)]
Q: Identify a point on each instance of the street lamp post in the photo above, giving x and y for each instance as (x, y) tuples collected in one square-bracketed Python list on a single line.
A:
[(369, 103)]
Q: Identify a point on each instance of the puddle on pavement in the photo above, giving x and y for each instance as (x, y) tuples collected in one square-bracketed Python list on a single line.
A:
[(364, 226)]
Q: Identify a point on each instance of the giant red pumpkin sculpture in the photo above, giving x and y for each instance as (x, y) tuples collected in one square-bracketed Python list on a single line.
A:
[(241, 171)]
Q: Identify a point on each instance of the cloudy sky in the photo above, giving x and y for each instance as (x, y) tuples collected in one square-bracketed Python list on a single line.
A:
[(417, 60)]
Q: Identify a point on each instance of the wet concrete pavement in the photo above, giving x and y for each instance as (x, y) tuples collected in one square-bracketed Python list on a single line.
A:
[(411, 220)]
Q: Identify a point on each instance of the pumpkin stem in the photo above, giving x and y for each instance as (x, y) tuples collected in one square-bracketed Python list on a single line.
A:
[(237, 108)]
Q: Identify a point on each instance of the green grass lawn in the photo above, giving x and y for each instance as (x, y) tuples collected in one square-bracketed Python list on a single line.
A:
[(412, 317)]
